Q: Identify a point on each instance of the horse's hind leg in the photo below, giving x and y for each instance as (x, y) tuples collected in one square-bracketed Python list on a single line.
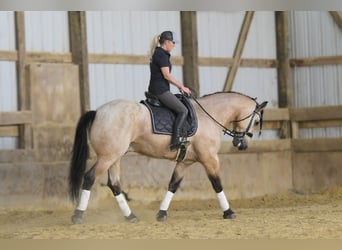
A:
[(89, 179), (115, 186), (176, 179)]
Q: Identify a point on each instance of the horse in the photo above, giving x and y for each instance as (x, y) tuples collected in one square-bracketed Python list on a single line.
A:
[(122, 125)]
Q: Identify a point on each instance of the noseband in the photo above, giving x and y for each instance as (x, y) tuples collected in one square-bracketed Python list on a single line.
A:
[(233, 133)]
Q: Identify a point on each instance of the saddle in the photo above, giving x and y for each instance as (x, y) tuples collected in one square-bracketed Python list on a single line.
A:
[(163, 118)]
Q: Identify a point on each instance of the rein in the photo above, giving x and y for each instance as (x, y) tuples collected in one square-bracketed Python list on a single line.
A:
[(234, 133)]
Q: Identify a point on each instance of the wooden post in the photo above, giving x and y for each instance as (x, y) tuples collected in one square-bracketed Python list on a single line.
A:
[(190, 51), (25, 138), (238, 50), (79, 51), (283, 70)]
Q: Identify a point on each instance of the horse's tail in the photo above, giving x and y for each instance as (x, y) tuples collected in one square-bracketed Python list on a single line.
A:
[(80, 153)]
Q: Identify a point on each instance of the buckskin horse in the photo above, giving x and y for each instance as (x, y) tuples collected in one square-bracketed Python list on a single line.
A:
[(122, 125)]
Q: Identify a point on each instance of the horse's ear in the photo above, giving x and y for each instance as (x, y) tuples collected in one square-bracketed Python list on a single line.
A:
[(262, 105)]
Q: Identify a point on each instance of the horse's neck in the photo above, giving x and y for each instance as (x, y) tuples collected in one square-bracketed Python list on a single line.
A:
[(224, 107)]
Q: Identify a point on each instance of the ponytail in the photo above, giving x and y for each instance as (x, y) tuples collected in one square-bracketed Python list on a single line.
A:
[(154, 45)]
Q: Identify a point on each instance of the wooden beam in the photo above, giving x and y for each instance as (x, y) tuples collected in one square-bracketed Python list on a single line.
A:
[(317, 145), (316, 113), (79, 52), (9, 131), (118, 59), (7, 55), (15, 118), (48, 57), (245, 62), (190, 51), (320, 124), (337, 18), (279, 114), (238, 50), (316, 61), (257, 147)]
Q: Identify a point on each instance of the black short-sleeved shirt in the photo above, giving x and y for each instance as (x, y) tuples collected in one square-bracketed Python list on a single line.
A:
[(158, 84)]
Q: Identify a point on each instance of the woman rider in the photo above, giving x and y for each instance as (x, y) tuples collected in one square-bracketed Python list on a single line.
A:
[(160, 79)]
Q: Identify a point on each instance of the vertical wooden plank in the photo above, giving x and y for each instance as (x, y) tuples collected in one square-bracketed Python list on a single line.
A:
[(25, 138), (283, 70), (79, 51), (190, 51), (238, 50), (21, 60), (282, 39)]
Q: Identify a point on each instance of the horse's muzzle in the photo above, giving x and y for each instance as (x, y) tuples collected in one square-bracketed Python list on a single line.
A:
[(240, 143)]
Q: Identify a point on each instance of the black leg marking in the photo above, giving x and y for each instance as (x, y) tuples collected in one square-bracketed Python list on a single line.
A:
[(116, 189), (216, 183), (174, 183), (89, 179)]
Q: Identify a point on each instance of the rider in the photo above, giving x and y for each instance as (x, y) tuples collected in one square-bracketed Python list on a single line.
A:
[(160, 79)]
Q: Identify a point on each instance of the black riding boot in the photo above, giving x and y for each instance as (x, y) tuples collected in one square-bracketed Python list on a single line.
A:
[(177, 127)]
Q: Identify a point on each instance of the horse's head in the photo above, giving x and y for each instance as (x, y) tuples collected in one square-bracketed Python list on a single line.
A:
[(244, 126)]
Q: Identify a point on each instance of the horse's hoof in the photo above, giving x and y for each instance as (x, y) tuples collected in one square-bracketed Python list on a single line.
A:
[(76, 220), (161, 215), (229, 214), (77, 217), (131, 218)]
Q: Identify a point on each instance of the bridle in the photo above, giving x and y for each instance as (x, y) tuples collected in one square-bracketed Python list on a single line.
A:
[(232, 132), (239, 134)]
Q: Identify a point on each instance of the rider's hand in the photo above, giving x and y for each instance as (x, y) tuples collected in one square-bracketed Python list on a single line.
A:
[(186, 90)]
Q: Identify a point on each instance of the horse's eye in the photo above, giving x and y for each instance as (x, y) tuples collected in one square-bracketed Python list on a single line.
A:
[(256, 122)]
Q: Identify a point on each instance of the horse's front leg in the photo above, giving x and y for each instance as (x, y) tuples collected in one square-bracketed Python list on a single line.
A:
[(222, 199), (176, 179), (115, 186), (212, 169)]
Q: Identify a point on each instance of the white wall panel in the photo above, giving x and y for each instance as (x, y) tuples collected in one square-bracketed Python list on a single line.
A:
[(8, 86), (125, 32), (47, 31), (8, 97), (314, 34), (7, 37)]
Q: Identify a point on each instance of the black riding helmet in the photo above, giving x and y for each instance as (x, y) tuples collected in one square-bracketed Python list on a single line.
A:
[(168, 35)]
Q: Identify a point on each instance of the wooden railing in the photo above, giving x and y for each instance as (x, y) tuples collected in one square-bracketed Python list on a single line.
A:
[(309, 117), (17, 124)]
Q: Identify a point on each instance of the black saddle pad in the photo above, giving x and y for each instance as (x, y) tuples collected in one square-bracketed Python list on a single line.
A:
[(163, 118)]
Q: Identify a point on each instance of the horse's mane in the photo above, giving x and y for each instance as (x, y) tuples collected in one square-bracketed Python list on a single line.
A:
[(229, 92)]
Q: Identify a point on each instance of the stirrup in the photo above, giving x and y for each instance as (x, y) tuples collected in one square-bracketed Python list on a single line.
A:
[(185, 143)]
